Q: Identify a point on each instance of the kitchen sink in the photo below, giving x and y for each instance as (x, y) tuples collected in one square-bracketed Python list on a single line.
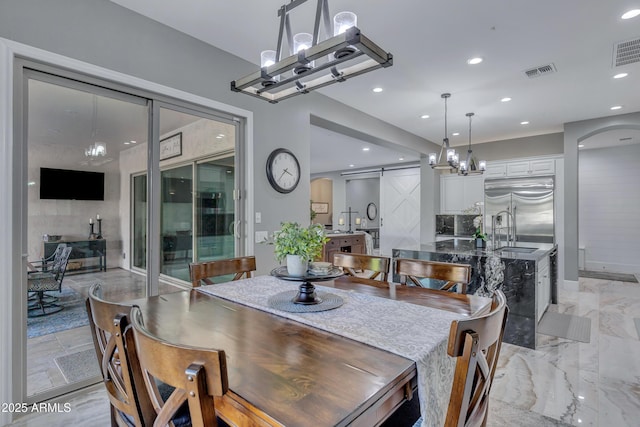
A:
[(516, 249)]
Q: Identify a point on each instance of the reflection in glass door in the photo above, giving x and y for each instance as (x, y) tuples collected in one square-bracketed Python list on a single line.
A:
[(215, 212), (140, 221), (176, 221)]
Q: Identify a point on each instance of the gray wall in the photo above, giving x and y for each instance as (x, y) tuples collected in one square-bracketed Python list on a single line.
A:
[(575, 132), (539, 145), (105, 34)]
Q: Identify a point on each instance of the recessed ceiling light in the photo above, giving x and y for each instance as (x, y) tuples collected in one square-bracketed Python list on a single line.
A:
[(474, 61), (631, 14), (580, 145), (218, 137), (366, 149), (351, 166), (31, 183), (126, 143), (621, 75), (377, 89), (616, 107), (401, 158), (505, 99), (524, 123), (424, 116), (455, 133), (221, 134)]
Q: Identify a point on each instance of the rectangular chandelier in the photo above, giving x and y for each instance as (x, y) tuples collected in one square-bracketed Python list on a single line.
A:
[(344, 53)]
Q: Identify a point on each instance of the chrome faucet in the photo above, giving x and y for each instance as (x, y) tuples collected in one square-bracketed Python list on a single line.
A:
[(510, 228)]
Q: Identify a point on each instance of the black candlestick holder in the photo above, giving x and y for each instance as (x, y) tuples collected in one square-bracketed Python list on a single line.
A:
[(350, 212), (99, 236), (91, 233)]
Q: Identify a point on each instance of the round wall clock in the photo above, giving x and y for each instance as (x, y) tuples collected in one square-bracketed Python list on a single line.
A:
[(372, 211), (283, 170)]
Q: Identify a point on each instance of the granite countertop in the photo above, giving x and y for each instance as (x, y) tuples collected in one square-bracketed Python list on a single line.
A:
[(534, 251)]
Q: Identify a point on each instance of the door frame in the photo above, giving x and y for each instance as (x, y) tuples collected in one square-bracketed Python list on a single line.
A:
[(13, 300)]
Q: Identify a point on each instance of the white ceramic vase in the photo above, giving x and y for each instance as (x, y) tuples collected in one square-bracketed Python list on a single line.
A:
[(296, 266)]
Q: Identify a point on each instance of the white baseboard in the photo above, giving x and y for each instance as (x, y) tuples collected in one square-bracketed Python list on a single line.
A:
[(610, 267)]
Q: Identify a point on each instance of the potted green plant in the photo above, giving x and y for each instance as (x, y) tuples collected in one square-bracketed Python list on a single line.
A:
[(479, 237), (298, 245)]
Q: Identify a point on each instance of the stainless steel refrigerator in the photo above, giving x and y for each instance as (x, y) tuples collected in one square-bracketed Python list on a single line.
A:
[(521, 206)]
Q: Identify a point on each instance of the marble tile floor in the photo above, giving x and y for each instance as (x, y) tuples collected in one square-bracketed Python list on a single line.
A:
[(561, 383), (42, 372)]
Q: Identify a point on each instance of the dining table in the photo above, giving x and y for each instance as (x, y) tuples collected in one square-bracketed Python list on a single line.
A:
[(350, 365)]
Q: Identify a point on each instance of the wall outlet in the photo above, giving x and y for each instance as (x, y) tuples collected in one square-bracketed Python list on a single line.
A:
[(258, 217), (261, 236)]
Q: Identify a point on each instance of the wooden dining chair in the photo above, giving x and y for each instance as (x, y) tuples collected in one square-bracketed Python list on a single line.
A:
[(199, 375), (475, 343), (116, 352), (455, 275), (378, 265), (205, 271)]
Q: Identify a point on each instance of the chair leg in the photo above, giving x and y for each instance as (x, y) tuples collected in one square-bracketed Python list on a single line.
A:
[(41, 304)]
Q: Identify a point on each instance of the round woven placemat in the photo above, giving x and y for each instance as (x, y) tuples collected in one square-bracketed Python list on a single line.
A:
[(283, 301)]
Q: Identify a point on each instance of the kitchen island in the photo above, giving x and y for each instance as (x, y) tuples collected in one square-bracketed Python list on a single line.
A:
[(523, 272)]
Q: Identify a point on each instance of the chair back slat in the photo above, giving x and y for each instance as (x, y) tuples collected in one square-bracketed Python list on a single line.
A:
[(475, 343), (197, 374), (117, 355), (455, 275), (378, 265), (205, 271), (60, 265)]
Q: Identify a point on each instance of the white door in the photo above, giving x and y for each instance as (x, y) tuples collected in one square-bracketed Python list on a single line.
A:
[(399, 210)]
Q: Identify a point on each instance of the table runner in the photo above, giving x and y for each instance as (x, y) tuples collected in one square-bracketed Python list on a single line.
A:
[(416, 332)]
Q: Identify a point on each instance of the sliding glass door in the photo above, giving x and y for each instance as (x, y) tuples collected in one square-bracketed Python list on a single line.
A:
[(134, 182), (215, 210), (198, 183), (77, 136)]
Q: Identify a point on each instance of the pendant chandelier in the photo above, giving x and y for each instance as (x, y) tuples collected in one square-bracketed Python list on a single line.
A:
[(451, 161), (468, 167), (311, 62), (97, 149)]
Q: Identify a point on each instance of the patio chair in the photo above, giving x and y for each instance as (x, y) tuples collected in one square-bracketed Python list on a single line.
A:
[(47, 281)]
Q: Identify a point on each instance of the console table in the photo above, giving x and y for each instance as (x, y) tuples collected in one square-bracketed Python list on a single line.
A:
[(81, 250), (343, 242)]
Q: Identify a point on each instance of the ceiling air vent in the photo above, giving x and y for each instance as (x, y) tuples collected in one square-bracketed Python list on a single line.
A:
[(540, 71), (626, 52)]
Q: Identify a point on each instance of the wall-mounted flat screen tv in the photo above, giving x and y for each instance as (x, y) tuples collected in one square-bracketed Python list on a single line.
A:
[(64, 184)]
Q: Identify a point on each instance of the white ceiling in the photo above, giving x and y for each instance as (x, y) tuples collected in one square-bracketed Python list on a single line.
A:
[(431, 41), (331, 151)]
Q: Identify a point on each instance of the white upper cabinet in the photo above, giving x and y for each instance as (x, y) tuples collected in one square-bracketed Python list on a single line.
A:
[(521, 168), (458, 193), (496, 170), (542, 167)]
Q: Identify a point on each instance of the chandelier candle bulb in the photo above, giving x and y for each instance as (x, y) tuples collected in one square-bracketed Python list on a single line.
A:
[(343, 21)]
